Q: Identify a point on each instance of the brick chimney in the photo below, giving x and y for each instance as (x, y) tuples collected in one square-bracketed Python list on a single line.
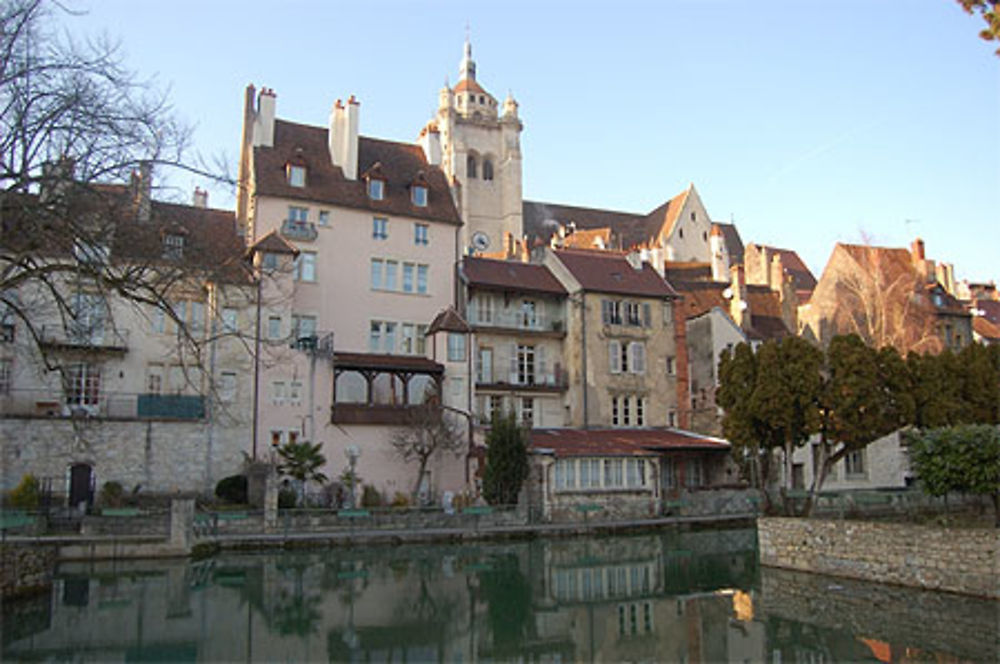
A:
[(200, 198), (141, 185)]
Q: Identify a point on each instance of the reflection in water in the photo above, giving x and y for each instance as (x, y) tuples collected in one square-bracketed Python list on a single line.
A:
[(678, 596)]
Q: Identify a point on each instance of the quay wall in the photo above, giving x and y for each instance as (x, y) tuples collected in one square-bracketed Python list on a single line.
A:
[(949, 559), (25, 568)]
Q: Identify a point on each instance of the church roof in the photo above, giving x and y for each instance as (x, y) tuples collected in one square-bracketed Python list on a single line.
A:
[(469, 85), (733, 241), (400, 164)]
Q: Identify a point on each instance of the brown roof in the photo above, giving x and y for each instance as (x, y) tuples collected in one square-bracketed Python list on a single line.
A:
[(610, 272), (620, 442), (469, 85), (509, 275), (273, 243), (448, 320), (400, 164), (805, 281), (986, 329), (700, 296), (386, 362), (734, 244), (541, 220), (662, 220), (676, 271), (588, 238), (990, 309)]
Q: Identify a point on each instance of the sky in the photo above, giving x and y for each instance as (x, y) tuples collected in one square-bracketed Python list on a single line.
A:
[(804, 123)]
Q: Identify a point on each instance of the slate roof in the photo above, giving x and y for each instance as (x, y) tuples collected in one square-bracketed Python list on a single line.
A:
[(399, 164), (620, 442), (610, 272), (487, 273)]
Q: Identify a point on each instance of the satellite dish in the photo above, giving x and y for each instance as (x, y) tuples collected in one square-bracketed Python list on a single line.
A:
[(728, 293), (743, 306), (480, 241)]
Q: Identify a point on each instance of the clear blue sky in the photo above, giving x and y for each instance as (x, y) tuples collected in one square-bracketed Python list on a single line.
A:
[(806, 123)]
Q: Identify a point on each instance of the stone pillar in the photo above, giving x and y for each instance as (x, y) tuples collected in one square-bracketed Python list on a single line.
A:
[(181, 524), (271, 487)]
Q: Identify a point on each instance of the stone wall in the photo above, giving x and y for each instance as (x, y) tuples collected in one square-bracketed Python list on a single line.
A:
[(955, 560), (25, 568), (568, 506)]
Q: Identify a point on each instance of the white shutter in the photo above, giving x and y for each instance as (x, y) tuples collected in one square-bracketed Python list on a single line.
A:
[(615, 356), (513, 364), (637, 357), (542, 375)]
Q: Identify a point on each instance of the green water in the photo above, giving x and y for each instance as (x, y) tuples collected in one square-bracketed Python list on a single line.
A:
[(669, 597)]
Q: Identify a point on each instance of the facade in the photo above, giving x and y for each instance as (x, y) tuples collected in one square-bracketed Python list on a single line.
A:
[(95, 387), (518, 314), (348, 353)]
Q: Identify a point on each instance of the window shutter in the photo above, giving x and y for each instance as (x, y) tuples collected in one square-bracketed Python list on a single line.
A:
[(646, 315), (615, 356), (542, 374), (637, 359), (606, 311), (513, 364)]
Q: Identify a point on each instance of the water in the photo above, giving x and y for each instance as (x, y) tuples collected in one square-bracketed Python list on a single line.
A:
[(674, 596)]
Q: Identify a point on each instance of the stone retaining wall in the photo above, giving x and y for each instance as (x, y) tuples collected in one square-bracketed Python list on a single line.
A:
[(25, 568), (955, 560)]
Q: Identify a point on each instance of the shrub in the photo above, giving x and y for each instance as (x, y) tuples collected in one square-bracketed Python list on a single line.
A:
[(287, 498), (232, 489), (400, 500), (112, 494), (25, 494), (371, 497)]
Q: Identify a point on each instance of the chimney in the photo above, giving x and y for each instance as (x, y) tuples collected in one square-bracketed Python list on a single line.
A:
[(777, 277), (342, 138), (720, 255), (200, 198), (508, 245), (430, 141), (738, 302), (263, 127), (917, 251), (142, 191)]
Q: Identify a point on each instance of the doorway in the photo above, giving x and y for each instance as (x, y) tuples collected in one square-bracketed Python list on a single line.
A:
[(81, 485)]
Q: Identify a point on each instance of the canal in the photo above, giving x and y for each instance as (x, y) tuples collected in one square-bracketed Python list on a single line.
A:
[(673, 596)]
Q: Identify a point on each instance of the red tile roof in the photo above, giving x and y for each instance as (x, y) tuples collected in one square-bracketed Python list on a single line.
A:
[(469, 85), (990, 309), (488, 273), (448, 320), (400, 164), (620, 442), (986, 329), (609, 272), (273, 243)]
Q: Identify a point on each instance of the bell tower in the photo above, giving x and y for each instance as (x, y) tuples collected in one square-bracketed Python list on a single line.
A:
[(477, 142)]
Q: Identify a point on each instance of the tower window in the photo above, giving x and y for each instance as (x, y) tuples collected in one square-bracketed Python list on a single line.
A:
[(487, 169), (470, 166)]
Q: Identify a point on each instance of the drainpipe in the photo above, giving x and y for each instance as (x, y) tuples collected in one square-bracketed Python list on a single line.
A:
[(583, 359), (256, 369)]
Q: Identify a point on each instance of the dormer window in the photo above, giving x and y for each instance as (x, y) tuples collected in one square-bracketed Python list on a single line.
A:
[(173, 246), (418, 194), (376, 189), (296, 175)]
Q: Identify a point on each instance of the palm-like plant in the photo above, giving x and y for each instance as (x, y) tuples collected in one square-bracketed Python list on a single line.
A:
[(302, 462)]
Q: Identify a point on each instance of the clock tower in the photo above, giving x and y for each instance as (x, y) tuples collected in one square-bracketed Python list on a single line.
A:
[(477, 142)]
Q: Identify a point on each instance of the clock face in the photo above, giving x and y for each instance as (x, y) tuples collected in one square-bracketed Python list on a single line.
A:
[(480, 241)]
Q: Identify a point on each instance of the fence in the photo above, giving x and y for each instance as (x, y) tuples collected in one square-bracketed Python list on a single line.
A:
[(111, 405)]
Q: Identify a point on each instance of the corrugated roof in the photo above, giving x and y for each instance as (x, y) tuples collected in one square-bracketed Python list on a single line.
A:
[(400, 164), (620, 442), (509, 275), (609, 272)]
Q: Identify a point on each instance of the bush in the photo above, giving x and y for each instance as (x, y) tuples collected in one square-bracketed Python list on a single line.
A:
[(25, 494), (112, 494), (400, 500), (371, 497), (287, 498), (232, 489)]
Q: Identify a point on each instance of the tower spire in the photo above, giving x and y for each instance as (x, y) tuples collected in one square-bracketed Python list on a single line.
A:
[(467, 68)]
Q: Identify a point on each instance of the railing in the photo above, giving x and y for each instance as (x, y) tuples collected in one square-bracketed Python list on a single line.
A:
[(112, 405), (301, 231), (538, 322), (557, 379), (95, 337)]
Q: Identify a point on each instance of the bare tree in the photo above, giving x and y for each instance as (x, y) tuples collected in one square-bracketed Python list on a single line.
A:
[(428, 432)]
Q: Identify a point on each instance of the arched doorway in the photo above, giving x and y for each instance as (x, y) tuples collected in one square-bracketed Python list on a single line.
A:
[(81, 484)]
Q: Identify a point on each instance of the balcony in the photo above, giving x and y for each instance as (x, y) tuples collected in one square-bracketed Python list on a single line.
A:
[(553, 381), (299, 231), (98, 337), (374, 413), (111, 406), (518, 323)]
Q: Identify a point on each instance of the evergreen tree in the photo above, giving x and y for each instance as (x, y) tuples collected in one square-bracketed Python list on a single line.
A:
[(506, 460), (964, 458), (302, 462)]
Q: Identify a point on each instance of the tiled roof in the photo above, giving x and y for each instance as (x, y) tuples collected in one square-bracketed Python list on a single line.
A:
[(608, 272), (588, 239), (986, 329), (448, 320), (990, 309), (620, 442), (400, 164), (469, 85), (805, 281), (677, 271), (509, 275), (412, 363), (273, 243), (700, 296), (662, 220), (734, 244), (541, 220)]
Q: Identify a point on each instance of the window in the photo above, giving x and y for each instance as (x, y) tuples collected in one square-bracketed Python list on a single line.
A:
[(421, 339), (672, 418), (197, 317), (615, 356), (279, 392), (525, 365), (295, 393), (470, 166), (297, 216), (637, 357), (227, 386), (374, 336), (391, 268), (611, 312), (418, 194), (390, 337), (406, 340), (484, 309), (694, 474), (420, 233), (408, 277), (158, 320), (376, 189), (303, 326), (422, 279), (382, 337), (173, 246), (496, 406), (296, 176), (854, 463), (456, 347), (269, 261), (671, 369), (484, 365), (615, 412), (380, 228), (376, 273), (528, 314), (324, 218), (305, 266), (83, 385), (633, 314), (6, 375), (87, 318), (626, 412), (612, 473), (487, 169), (640, 412), (230, 320), (527, 412), (274, 327)]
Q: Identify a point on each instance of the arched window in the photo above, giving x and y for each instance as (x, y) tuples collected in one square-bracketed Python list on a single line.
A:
[(470, 166), (487, 169)]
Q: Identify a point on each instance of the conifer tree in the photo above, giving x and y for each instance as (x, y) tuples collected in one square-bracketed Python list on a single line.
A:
[(506, 460)]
